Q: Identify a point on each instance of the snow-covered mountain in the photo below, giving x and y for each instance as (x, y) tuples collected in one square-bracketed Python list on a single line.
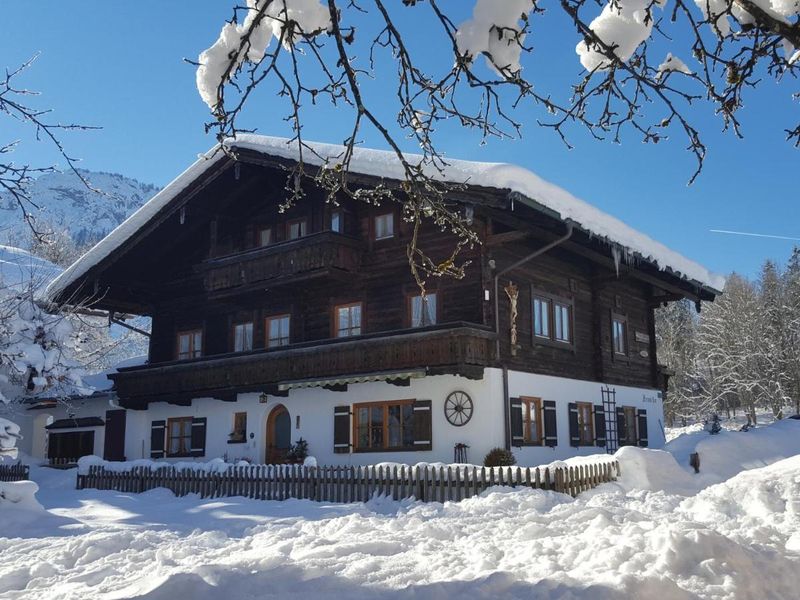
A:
[(66, 203)]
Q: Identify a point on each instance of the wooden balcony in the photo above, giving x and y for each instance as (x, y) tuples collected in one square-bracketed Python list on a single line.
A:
[(321, 254), (458, 348)]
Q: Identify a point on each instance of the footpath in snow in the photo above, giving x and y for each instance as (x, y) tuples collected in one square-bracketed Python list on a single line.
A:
[(660, 532)]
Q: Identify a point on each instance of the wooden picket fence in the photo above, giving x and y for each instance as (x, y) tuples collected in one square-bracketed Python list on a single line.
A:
[(348, 484), (17, 472)]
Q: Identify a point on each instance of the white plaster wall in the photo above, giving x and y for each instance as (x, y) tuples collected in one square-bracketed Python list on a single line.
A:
[(565, 391), (315, 407)]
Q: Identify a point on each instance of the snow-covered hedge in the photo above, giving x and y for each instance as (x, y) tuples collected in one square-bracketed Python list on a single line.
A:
[(19, 495)]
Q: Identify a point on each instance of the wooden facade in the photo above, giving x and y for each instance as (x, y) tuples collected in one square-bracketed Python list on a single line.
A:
[(224, 253)]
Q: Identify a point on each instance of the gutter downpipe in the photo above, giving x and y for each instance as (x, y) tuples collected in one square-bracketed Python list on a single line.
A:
[(520, 262)]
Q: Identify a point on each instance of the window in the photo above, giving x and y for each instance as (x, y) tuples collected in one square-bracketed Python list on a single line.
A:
[(628, 433), (619, 334), (585, 423), (541, 317), (337, 221), (552, 319), (190, 344), (243, 337), (347, 320), (384, 425), (278, 331), (295, 229), (265, 237), (423, 310), (562, 322), (384, 226), (532, 420), (239, 433), (179, 436)]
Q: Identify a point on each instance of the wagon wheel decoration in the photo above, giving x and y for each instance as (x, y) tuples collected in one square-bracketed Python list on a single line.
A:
[(458, 408)]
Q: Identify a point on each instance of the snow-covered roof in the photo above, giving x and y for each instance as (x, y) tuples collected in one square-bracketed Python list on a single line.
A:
[(384, 164)]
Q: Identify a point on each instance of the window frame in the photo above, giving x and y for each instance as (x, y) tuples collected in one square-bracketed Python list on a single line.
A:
[(187, 449), (267, 321), (259, 236), (633, 421), (410, 309), (384, 404), (623, 320), (193, 352), (337, 330), (303, 228), (252, 335), (581, 429), (526, 422), (239, 418), (383, 215), (551, 301)]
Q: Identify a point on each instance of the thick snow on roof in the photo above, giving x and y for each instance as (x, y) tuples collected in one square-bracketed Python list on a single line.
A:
[(381, 163)]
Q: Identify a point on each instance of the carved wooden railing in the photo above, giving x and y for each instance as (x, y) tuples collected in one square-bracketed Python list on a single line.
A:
[(319, 252), (465, 348)]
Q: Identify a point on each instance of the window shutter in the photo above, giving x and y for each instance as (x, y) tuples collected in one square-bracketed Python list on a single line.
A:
[(341, 429), (517, 438), (641, 415), (158, 431), (599, 425), (550, 429), (574, 432), (622, 429), (423, 428), (198, 437)]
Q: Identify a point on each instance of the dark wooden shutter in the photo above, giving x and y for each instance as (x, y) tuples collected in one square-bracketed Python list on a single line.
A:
[(574, 432), (158, 431), (341, 429), (198, 437), (599, 425), (550, 428), (423, 426), (517, 438), (641, 416), (622, 429)]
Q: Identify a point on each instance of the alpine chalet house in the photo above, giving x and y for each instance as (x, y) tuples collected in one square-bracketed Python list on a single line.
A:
[(269, 326)]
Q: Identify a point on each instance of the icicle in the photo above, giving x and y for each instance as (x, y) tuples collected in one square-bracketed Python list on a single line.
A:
[(617, 255)]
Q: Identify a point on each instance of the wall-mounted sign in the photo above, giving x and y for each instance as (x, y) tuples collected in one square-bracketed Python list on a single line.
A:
[(642, 338)]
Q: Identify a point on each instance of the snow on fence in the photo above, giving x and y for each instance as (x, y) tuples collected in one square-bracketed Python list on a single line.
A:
[(17, 472), (349, 484)]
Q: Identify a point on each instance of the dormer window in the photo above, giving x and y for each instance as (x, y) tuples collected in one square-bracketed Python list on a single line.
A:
[(383, 226)]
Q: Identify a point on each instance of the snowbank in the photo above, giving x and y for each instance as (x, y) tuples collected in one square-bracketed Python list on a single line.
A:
[(215, 465), (384, 164), (18, 495), (652, 470), (727, 453), (9, 434)]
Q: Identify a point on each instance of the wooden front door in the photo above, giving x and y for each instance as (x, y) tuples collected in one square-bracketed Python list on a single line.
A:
[(279, 435), (114, 447)]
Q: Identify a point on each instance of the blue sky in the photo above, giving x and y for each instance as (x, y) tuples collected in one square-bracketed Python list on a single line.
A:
[(119, 66)]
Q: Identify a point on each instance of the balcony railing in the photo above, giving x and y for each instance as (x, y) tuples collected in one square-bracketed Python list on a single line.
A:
[(324, 253), (457, 348)]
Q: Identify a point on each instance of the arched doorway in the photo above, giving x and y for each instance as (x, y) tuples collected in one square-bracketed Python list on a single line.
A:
[(279, 434)]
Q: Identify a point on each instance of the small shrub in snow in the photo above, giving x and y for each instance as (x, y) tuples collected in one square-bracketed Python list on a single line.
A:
[(713, 425), (298, 452), (499, 457)]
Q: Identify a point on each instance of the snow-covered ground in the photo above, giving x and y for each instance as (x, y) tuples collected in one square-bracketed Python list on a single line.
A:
[(660, 532), (732, 424)]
